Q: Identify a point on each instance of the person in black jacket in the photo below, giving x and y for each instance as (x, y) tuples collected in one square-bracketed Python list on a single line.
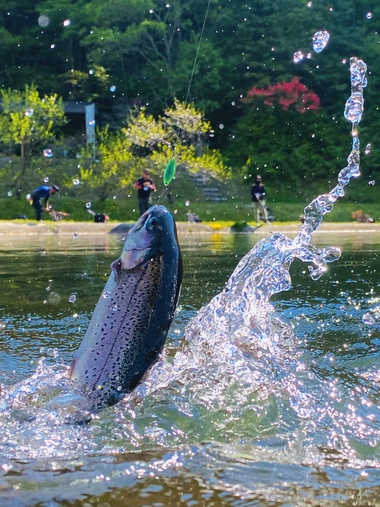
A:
[(258, 193), (44, 192)]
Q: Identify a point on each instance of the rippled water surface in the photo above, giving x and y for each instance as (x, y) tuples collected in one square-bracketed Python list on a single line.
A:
[(221, 420)]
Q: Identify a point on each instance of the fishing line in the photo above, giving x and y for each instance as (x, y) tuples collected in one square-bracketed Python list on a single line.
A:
[(171, 167), (197, 53)]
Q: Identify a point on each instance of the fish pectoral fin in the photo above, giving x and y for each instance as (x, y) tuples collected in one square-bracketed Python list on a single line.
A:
[(116, 269)]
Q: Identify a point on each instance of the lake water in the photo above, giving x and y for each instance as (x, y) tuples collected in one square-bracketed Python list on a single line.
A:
[(299, 425)]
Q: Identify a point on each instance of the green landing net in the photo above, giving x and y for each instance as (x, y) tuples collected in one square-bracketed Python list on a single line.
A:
[(169, 172)]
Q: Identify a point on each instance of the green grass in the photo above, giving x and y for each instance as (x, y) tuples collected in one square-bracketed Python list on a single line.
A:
[(286, 204)]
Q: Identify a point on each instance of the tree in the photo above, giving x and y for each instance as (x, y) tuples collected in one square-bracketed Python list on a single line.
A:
[(28, 121), (181, 133)]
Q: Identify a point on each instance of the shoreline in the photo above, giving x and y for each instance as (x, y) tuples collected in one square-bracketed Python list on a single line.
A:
[(24, 228)]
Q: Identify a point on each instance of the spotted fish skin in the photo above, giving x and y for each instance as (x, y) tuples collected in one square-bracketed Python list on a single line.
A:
[(131, 320)]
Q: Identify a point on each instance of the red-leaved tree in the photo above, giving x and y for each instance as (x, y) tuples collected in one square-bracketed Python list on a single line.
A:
[(286, 95)]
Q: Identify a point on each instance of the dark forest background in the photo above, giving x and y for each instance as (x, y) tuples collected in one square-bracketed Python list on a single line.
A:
[(124, 54)]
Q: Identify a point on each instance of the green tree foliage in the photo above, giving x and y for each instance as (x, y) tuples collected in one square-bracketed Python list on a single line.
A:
[(181, 133), (147, 53), (28, 121)]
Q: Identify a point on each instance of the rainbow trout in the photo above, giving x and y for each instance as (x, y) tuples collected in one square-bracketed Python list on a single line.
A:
[(131, 320)]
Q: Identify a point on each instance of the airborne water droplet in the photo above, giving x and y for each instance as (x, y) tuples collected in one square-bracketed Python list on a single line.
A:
[(320, 40), (72, 298), (88, 205), (298, 57), (106, 294), (369, 15), (354, 108), (368, 319), (368, 149)]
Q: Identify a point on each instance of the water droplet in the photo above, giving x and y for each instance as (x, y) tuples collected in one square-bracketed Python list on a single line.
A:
[(46, 179), (106, 294), (112, 88), (10, 193), (187, 203), (368, 149), (233, 103), (368, 319), (52, 46), (75, 235), (115, 308), (91, 72), (76, 182), (298, 57), (354, 107), (175, 211), (369, 15), (47, 153), (320, 40), (48, 289), (88, 205), (221, 126), (66, 23), (372, 182), (309, 4), (72, 298), (114, 197), (29, 111), (43, 20), (329, 357)]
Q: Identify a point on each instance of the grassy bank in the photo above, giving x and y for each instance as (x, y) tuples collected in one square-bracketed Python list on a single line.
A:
[(187, 194), (126, 209)]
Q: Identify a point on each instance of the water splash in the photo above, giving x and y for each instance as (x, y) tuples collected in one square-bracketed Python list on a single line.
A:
[(298, 56), (242, 312), (320, 40)]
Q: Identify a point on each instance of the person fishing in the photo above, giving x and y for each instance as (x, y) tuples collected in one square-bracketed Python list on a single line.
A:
[(42, 192), (145, 186), (258, 193)]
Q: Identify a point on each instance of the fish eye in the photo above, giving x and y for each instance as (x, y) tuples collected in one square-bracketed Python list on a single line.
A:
[(153, 223)]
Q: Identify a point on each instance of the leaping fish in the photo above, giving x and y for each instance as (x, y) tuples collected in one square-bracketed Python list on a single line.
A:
[(131, 320)]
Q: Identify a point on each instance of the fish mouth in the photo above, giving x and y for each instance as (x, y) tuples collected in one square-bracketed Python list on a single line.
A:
[(144, 240)]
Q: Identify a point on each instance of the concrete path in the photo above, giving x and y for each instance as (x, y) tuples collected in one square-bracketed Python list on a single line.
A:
[(22, 227)]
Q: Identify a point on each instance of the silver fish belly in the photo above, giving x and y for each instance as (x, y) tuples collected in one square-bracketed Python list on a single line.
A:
[(131, 320)]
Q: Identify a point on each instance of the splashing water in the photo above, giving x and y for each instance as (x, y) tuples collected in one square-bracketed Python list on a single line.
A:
[(298, 57), (320, 40), (243, 311)]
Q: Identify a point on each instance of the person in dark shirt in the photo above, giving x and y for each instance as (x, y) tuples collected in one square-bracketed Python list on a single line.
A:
[(145, 186), (43, 192), (258, 193)]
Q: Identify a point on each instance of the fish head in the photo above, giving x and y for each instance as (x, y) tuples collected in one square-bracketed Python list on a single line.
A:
[(152, 234)]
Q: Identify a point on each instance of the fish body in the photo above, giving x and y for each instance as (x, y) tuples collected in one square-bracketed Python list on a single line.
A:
[(131, 320)]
